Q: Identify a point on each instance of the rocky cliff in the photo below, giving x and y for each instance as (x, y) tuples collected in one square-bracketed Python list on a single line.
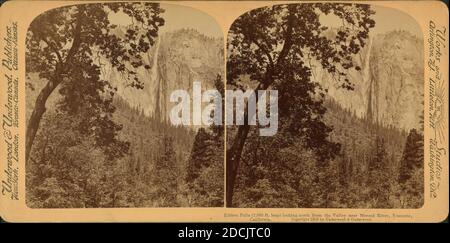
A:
[(389, 86), (177, 60)]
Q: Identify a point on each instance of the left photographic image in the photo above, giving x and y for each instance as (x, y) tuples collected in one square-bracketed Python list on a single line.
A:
[(99, 81)]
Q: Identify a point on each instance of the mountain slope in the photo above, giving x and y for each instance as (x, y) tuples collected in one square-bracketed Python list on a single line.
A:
[(176, 60), (389, 87)]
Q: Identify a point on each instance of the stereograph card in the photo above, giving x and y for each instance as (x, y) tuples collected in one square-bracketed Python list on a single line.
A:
[(224, 111)]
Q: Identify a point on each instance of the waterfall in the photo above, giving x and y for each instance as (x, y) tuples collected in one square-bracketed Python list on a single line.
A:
[(366, 64), (368, 76), (172, 66), (154, 83), (154, 69)]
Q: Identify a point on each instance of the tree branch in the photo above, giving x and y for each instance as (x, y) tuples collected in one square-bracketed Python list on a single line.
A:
[(288, 37), (76, 36), (54, 49)]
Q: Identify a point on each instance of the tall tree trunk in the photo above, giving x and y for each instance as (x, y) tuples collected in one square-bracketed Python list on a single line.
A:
[(233, 154), (39, 107), (36, 116), (232, 162)]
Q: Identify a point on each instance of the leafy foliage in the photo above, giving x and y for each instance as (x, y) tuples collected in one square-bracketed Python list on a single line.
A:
[(274, 46), (65, 45), (66, 169), (363, 174), (205, 172)]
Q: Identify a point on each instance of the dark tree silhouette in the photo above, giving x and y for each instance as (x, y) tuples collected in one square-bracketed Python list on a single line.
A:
[(200, 155), (411, 176), (62, 45), (412, 155), (206, 160), (272, 46), (378, 175), (165, 173)]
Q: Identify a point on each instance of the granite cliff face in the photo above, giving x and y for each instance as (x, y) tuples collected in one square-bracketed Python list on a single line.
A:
[(388, 89), (177, 59), (389, 86)]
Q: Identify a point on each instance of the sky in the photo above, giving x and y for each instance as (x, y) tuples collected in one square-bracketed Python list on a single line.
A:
[(179, 17), (386, 19)]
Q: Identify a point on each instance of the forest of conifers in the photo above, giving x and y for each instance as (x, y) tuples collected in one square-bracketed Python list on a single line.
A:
[(66, 170), (87, 147), (376, 167)]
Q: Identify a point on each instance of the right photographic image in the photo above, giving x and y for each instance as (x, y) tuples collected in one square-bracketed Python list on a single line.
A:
[(347, 115)]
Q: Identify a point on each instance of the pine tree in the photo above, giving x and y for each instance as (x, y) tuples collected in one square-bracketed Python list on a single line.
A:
[(378, 161), (206, 144), (378, 180), (206, 162), (411, 171), (200, 154), (165, 174), (412, 155)]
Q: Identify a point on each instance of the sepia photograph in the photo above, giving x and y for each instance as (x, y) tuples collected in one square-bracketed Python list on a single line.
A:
[(350, 108), (98, 83), (197, 112)]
